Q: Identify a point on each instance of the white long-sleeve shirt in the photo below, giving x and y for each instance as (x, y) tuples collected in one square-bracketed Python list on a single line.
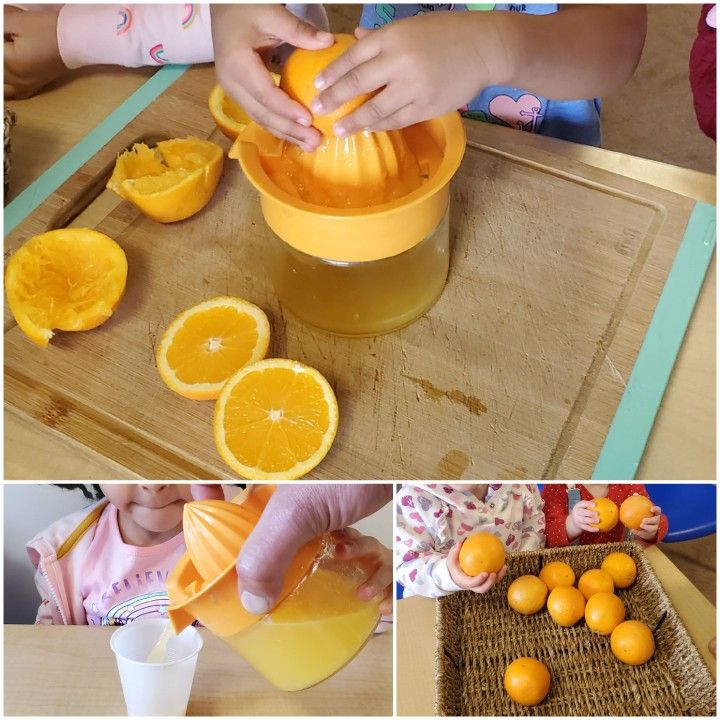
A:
[(432, 518)]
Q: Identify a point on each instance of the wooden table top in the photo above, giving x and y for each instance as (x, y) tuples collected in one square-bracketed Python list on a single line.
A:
[(415, 620), (71, 670), (682, 444)]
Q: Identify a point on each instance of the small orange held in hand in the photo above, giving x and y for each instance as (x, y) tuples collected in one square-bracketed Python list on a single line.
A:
[(527, 594), (566, 605), (632, 642), (298, 80), (634, 510), (527, 681), (557, 573), (621, 567), (604, 612), (607, 511), (481, 552), (595, 581)]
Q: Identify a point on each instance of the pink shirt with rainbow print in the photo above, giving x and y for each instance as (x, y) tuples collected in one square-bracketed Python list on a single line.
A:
[(120, 583)]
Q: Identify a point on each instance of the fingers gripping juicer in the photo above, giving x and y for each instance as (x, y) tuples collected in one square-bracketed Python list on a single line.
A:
[(360, 239), (318, 624)]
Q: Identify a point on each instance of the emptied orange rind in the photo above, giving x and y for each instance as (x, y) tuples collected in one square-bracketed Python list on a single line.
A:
[(69, 279), (170, 182)]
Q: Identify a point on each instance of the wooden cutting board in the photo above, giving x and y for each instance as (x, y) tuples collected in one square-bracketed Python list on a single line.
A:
[(515, 373)]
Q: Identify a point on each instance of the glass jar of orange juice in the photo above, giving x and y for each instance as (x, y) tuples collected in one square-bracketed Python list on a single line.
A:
[(358, 229), (318, 624)]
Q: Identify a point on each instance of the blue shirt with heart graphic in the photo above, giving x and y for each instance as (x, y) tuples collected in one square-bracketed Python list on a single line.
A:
[(574, 120)]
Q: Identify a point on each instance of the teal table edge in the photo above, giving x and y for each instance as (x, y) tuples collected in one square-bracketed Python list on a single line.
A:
[(36, 193), (634, 418), (635, 415)]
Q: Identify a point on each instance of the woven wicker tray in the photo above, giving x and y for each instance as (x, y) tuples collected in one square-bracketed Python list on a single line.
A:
[(479, 635)]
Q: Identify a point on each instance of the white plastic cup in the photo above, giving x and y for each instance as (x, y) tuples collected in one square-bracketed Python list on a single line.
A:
[(155, 688)]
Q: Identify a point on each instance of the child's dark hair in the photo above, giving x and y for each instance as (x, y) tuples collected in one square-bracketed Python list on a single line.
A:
[(91, 492)]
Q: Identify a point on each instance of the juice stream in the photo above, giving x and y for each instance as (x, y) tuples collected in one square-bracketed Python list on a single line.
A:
[(316, 631)]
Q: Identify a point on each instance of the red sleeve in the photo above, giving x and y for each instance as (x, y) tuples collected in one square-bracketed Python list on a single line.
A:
[(556, 510), (702, 74)]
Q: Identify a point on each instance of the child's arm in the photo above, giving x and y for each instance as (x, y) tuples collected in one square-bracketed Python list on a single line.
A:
[(30, 52), (433, 63), (533, 532), (420, 566)]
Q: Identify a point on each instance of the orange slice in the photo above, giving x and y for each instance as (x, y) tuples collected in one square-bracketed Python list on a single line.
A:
[(275, 420), (171, 181), (69, 279), (227, 114), (207, 343)]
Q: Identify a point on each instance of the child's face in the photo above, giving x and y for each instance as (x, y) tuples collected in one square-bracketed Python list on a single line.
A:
[(147, 510)]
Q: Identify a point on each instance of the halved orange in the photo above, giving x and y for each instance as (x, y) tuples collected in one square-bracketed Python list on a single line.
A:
[(171, 181), (204, 345), (68, 279), (230, 118), (298, 80), (275, 420)]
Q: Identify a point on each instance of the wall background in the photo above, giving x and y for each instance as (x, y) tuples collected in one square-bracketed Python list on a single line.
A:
[(30, 507)]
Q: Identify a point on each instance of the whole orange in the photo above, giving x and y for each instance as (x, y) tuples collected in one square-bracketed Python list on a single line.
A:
[(632, 642), (298, 80), (527, 594), (595, 581), (566, 605), (557, 573), (481, 552), (607, 510), (604, 612), (621, 567), (634, 510), (527, 681)]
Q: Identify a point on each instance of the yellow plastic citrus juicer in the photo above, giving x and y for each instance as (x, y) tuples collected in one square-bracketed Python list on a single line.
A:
[(356, 215), (317, 625)]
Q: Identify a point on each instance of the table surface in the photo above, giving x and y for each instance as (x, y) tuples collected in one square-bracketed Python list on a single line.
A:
[(70, 670), (682, 443), (415, 620)]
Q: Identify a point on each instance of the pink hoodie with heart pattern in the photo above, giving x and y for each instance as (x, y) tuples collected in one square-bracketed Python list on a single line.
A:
[(431, 518)]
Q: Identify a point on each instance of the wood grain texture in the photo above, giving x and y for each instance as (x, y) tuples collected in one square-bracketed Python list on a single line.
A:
[(79, 677), (515, 373)]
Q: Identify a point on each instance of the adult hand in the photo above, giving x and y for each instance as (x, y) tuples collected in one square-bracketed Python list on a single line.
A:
[(479, 583), (294, 514), (423, 66), (242, 36), (30, 51)]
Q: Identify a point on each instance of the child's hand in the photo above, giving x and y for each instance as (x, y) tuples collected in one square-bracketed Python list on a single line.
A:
[(352, 544), (648, 529), (480, 583), (242, 36), (581, 519), (427, 65), (31, 55)]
